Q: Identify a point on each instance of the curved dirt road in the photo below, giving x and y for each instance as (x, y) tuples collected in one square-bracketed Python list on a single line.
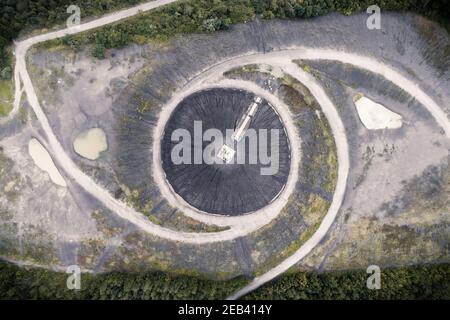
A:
[(240, 226)]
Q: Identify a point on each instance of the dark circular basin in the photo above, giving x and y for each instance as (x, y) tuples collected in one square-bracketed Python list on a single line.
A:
[(208, 175)]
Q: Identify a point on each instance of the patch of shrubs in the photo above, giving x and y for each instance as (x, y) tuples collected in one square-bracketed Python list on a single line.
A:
[(180, 17)]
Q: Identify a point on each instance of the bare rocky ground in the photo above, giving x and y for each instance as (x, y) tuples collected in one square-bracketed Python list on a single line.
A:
[(398, 212), (39, 219), (396, 206)]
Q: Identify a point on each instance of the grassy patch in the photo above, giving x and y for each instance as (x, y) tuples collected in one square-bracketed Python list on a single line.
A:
[(314, 210), (330, 157), (6, 97)]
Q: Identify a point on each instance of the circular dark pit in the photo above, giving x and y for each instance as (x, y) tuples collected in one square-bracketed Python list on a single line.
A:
[(230, 189)]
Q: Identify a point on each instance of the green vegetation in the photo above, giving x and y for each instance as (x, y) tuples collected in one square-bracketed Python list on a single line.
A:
[(6, 97), (328, 154), (297, 96), (178, 18), (182, 17), (18, 16), (144, 107), (210, 16), (21, 283), (427, 282), (313, 211)]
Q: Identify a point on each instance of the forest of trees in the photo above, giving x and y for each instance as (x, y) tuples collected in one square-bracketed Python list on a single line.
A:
[(181, 17), (427, 282), (424, 282), (24, 15)]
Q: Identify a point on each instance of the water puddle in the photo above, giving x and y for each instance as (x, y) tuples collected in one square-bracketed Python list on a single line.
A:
[(43, 161), (91, 143)]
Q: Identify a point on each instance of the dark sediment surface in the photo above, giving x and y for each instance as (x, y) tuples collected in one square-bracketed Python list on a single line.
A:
[(224, 188)]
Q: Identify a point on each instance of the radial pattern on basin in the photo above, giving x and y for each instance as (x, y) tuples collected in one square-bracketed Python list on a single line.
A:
[(236, 183)]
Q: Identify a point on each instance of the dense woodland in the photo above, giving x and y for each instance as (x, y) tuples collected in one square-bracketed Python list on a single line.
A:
[(19, 16), (428, 282), (425, 282)]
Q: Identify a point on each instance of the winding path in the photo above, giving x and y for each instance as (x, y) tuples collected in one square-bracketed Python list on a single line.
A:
[(282, 59)]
